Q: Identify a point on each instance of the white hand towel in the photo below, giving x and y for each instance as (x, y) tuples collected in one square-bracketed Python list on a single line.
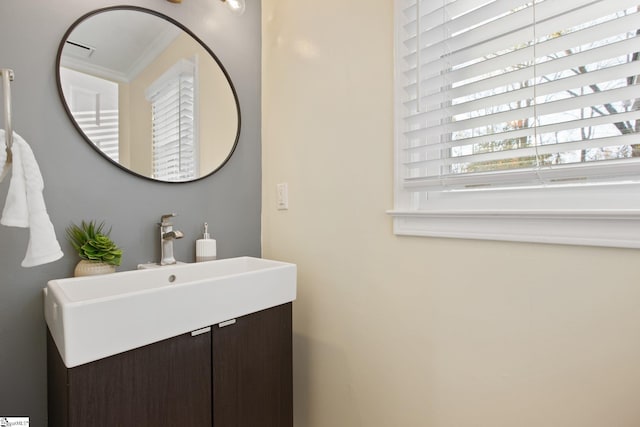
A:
[(25, 206), (4, 166), (16, 211)]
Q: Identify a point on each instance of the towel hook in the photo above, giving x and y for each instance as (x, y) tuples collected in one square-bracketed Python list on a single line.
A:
[(7, 76)]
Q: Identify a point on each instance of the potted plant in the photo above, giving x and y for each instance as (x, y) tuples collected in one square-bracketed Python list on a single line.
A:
[(98, 254)]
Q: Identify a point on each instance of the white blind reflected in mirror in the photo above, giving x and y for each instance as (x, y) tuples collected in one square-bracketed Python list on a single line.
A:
[(93, 102), (172, 99)]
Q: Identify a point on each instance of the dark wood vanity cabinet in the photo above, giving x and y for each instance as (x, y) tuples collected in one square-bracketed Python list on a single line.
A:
[(165, 383), (252, 371), (238, 375)]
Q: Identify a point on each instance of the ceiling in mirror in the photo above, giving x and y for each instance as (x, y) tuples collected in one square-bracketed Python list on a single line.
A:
[(147, 94)]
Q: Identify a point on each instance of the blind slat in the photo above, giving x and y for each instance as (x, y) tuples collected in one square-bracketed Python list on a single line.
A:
[(630, 116)]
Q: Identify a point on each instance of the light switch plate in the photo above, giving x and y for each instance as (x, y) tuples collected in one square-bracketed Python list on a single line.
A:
[(283, 196)]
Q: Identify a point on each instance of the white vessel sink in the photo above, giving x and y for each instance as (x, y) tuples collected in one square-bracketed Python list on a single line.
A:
[(98, 316)]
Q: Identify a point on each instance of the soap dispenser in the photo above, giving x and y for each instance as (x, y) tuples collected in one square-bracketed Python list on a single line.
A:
[(205, 247)]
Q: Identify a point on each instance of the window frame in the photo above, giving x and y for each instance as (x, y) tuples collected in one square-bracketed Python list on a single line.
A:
[(595, 215)]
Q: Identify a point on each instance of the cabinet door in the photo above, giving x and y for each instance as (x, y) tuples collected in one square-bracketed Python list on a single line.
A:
[(252, 370), (167, 383)]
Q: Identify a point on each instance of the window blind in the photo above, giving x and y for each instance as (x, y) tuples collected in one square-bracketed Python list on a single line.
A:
[(174, 157), (507, 93), (102, 129)]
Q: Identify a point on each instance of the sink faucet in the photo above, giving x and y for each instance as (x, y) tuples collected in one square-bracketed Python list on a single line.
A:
[(167, 236)]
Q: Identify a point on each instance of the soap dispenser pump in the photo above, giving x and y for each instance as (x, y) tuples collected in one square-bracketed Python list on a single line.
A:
[(205, 247)]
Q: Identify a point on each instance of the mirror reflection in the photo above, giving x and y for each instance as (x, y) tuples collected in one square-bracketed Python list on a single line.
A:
[(147, 94)]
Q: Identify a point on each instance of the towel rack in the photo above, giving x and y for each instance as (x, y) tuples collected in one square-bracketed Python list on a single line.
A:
[(7, 75)]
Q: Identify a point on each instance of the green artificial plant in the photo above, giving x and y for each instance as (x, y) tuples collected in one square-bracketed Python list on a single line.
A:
[(93, 244)]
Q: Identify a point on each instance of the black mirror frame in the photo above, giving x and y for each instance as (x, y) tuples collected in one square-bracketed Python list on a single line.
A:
[(183, 28)]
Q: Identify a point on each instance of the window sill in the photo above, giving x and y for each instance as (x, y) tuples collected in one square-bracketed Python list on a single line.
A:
[(609, 228)]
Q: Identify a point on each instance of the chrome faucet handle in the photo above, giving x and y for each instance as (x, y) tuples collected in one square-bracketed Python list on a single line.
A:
[(165, 217)]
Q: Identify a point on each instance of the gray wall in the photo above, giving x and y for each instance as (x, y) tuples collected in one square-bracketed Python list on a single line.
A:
[(79, 184)]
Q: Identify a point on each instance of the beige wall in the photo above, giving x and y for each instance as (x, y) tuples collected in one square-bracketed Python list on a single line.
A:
[(426, 332)]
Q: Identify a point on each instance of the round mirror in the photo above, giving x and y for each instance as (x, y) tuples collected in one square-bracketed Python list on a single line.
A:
[(147, 94)]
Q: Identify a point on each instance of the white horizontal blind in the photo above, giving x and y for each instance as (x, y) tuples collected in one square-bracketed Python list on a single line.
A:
[(174, 151), (102, 129), (503, 93)]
